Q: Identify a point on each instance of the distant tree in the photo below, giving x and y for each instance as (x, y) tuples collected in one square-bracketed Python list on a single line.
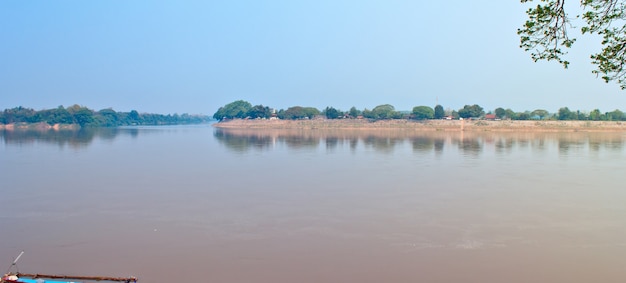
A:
[(108, 117), (384, 111), (332, 113), (311, 112), (354, 112), (20, 115), (57, 115), (299, 112), (367, 113), (616, 115), (541, 113), (455, 114), (235, 109), (84, 117), (259, 111), (439, 112), (523, 116), (509, 113), (471, 111), (500, 113), (595, 115), (133, 117), (566, 114), (423, 112)]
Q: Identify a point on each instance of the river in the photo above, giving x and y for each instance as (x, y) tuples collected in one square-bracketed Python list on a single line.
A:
[(200, 204)]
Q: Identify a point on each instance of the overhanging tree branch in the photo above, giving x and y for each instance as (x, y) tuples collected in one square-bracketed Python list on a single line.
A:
[(545, 34)]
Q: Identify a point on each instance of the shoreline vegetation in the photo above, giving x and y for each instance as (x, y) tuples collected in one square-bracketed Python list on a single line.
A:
[(76, 117), (428, 125), (471, 118)]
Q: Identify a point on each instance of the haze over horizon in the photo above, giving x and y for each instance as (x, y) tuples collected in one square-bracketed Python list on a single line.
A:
[(196, 56)]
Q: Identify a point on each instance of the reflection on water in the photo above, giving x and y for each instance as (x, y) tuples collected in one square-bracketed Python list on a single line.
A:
[(77, 138), (73, 138), (244, 140)]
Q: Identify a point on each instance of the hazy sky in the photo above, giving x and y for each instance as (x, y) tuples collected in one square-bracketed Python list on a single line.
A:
[(195, 56)]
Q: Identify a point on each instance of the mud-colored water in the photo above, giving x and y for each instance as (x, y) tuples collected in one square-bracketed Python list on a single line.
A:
[(210, 205)]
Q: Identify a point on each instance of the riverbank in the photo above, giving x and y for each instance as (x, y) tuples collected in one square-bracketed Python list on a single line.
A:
[(431, 125)]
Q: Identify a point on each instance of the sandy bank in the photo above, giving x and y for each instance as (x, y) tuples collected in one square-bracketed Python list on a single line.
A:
[(432, 125)]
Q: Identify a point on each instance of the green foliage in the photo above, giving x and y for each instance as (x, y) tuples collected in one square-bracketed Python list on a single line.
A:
[(366, 113), (354, 112), (108, 117), (595, 115), (616, 115), (259, 111), (79, 115), (86, 117), (545, 34), (439, 112), (382, 112), (500, 113), (523, 116), (423, 112), (235, 109), (542, 114), (332, 113), (19, 114), (471, 111), (134, 116), (510, 114), (565, 114), (298, 112)]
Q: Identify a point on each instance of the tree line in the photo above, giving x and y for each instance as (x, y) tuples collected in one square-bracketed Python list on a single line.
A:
[(241, 109), (86, 117)]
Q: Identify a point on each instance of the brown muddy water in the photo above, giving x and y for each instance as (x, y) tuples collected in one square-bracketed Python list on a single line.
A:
[(200, 204)]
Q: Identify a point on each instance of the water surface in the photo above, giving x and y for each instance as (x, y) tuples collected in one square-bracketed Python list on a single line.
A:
[(218, 205)]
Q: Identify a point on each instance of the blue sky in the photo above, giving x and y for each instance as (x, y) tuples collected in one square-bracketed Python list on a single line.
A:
[(195, 56)]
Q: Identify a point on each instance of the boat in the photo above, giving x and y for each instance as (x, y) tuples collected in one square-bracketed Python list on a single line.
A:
[(18, 277), (45, 278)]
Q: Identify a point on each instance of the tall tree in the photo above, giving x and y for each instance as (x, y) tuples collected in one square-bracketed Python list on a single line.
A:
[(500, 113), (332, 113), (439, 112), (545, 34)]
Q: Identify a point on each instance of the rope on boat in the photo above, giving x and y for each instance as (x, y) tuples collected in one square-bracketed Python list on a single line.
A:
[(14, 264)]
